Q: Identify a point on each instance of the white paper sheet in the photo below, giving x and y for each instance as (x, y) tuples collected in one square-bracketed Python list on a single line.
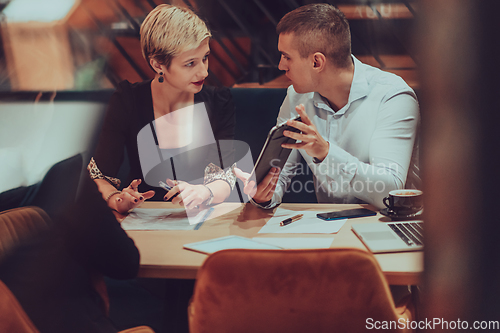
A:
[(308, 224), (164, 219), (297, 242), (229, 242), (258, 243)]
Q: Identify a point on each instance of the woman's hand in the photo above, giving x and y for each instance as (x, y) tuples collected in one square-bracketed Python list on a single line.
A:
[(264, 191), (190, 196), (129, 198)]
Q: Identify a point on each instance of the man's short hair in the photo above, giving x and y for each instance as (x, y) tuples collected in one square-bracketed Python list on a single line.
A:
[(168, 31), (319, 28)]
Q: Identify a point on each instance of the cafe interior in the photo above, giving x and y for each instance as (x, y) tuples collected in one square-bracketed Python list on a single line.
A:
[(61, 61)]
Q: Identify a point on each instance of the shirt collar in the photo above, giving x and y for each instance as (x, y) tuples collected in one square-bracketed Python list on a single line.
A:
[(359, 85), (321, 102), (359, 89)]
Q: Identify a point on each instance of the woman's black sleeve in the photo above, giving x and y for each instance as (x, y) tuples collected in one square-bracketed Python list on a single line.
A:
[(96, 238), (110, 148), (225, 117), (224, 131)]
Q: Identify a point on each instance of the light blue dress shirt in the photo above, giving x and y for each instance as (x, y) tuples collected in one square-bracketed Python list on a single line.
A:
[(372, 140)]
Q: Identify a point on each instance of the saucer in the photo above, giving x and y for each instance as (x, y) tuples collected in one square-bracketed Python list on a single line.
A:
[(399, 217)]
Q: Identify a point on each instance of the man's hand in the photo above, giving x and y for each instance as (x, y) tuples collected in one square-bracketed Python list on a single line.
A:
[(262, 192), (129, 198), (312, 142)]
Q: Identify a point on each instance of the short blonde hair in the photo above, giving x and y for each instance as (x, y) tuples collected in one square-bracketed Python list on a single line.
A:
[(168, 31)]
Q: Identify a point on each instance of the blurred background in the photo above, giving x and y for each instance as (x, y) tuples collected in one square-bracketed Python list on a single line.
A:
[(94, 44)]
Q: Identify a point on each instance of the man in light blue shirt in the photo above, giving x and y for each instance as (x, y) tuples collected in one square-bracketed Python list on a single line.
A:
[(359, 124)]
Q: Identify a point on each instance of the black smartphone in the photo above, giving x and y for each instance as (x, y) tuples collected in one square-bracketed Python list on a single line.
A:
[(346, 214)]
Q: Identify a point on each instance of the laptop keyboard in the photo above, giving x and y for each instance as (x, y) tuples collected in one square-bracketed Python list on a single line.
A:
[(412, 233)]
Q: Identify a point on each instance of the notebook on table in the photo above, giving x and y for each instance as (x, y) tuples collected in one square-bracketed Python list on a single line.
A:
[(391, 237)]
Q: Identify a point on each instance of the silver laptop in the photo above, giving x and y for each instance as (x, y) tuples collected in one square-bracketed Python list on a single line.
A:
[(391, 237)]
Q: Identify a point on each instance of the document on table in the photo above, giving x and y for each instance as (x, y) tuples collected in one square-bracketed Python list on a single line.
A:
[(308, 224), (165, 219), (258, 243), (228, 242), (297, 242)]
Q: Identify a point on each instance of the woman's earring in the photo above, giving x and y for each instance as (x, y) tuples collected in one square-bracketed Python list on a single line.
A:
[(160, 79)]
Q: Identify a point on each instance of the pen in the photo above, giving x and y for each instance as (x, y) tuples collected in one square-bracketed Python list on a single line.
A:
[(167, 188), (291, 219)]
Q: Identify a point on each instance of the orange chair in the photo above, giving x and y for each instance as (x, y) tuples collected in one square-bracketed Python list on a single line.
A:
[(12, 316), (325, 290), (17, 225)]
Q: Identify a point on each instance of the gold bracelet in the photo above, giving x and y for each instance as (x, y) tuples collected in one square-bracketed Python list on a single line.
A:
[(111, 194)]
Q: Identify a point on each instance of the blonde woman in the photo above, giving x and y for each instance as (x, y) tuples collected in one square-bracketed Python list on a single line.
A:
[(175, 43)]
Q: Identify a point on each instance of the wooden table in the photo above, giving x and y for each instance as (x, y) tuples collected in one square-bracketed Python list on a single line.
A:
[(163, 256)]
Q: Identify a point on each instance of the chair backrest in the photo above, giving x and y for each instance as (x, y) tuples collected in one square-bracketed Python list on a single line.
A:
[(17, 225), (12, 316), (325, 290)]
